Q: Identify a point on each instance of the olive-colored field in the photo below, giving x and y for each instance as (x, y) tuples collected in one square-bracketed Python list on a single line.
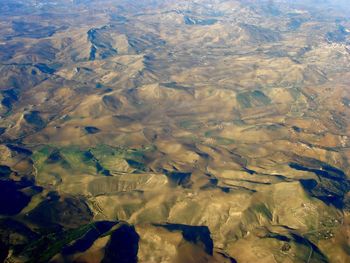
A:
[(174, 131)]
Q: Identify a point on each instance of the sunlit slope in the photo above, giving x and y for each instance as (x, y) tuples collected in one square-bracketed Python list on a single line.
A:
[(174, 131)]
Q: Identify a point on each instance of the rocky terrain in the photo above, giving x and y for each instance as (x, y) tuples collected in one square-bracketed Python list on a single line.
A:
[(174, 131)]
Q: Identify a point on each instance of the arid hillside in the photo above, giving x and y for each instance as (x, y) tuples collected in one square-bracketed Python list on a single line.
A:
[(179, 131)]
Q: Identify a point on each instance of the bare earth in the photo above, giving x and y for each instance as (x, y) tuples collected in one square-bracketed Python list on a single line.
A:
[(174, 131)]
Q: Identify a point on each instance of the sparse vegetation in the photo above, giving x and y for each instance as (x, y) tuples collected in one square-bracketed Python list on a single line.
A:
[(218, 129)]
